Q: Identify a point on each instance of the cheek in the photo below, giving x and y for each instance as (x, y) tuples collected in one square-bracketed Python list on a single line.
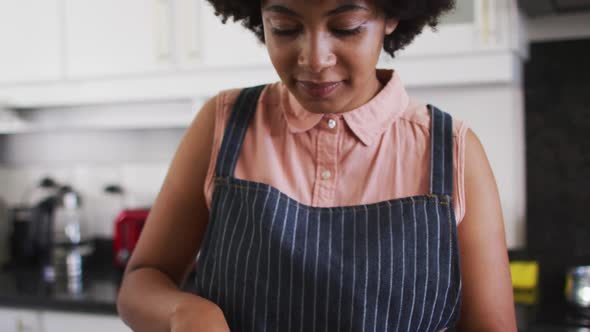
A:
[(365, 53), (282, 55)]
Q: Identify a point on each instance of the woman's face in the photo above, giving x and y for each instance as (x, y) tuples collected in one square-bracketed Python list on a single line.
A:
[(325, 51)]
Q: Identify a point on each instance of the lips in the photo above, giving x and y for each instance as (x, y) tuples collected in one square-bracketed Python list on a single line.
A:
[(318, 89)]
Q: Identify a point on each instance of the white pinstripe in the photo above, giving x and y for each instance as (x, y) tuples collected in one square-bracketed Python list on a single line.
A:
[(449, 276), (272, 225), (211, 228), (460, 281), (378, 268), (220, 244), (366, 265), (303, 270), (292, 255), (437, 264), (329, 265), (410, 318), (279, 275), (315, 272), (247, 253), (341, 269), (231, 241), (258, 260), (212, 249), (427, 261), (353, 269), (390, 265), (401, 298), (442, 191)]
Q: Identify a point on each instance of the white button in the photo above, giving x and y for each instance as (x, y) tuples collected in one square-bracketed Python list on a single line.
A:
[(326, 175), (331, 123)]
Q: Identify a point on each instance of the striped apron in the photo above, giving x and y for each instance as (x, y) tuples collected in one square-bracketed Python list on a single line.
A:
[(274, 264)]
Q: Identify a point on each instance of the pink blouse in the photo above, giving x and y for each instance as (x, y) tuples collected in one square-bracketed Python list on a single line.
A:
[(377, 152)]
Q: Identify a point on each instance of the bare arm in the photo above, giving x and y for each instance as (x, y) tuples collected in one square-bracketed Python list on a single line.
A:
[(487, 289), (149, 298)]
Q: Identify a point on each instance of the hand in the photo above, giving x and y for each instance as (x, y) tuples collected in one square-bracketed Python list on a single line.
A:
[(197, 314)]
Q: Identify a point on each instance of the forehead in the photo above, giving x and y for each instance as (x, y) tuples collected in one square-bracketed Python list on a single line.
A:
[(316, 5)]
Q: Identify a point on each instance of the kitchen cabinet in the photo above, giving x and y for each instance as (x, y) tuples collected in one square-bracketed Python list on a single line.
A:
[(113, 37), (137, 50), (480, 42), (229, 44), (14, 320), (74, 322), (188, 32), (474, 26), (30, 39)]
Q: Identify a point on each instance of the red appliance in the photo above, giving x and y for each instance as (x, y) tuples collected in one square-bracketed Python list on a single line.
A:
[(128, 226)]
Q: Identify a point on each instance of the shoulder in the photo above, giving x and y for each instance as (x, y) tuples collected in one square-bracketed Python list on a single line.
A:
[(417, 114)]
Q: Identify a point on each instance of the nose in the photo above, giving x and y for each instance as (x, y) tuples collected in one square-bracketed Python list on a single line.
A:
[(316, 53)]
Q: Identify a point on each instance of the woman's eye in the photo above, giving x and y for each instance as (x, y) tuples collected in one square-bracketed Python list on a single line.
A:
[(347, 32), (284, 32)]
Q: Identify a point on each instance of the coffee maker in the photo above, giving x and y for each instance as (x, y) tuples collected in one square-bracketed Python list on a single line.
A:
[(51, 233)]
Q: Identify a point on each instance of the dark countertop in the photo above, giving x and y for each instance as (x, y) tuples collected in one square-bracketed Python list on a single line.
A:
[(97, 293), (24, 287)]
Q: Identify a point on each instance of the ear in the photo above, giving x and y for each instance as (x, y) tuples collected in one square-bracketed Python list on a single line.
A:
[(390, 25)]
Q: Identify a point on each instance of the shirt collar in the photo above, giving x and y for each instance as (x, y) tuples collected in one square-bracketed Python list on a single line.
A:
[(367, 122)]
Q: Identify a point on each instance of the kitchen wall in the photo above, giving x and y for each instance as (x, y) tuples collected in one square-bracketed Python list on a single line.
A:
[(495, 113), (81, 153)]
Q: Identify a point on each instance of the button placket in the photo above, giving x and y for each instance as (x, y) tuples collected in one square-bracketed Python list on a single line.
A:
[(327, 156)]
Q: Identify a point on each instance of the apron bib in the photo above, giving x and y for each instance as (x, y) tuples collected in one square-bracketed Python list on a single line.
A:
[(274, 264)]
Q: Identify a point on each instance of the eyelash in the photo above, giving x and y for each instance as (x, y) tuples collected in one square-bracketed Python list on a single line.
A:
[(339, 32)]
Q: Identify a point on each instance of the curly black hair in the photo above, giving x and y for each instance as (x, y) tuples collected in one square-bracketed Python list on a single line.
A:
[(413, 16)]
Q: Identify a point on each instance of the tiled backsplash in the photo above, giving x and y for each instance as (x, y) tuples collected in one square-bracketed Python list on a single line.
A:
[(137, 160), (141, 182)]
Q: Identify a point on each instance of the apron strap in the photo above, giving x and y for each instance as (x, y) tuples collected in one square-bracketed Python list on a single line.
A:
[(441, 152), (235, 130)]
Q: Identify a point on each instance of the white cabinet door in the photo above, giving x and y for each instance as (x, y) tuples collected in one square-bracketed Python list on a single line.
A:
[(188, 32), (473, 26), (12, 320), (74, 322), (117, 37), (29, 40), (229, 44)]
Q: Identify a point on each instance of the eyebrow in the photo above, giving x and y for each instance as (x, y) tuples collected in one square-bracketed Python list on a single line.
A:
[(341, 9)]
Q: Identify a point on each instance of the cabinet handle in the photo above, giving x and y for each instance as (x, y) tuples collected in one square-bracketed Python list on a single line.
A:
[(163, 27), (486, 10), (193, 28), (21, 326)]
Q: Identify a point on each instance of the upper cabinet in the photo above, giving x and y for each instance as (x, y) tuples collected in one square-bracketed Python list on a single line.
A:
[(114, 37), (30, 39), (229, 44), (189, 32), (473, 26), (136, 50)]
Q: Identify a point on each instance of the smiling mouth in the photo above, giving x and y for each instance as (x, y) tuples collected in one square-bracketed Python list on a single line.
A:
[(318, 89)]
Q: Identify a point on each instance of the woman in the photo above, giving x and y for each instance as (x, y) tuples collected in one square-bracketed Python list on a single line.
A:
[(327, 201)]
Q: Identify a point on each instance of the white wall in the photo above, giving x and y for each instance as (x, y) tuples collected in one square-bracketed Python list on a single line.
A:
[(88, 159), (496, 114)]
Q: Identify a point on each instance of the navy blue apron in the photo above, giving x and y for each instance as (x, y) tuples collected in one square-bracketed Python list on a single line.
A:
[(274, 264)]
